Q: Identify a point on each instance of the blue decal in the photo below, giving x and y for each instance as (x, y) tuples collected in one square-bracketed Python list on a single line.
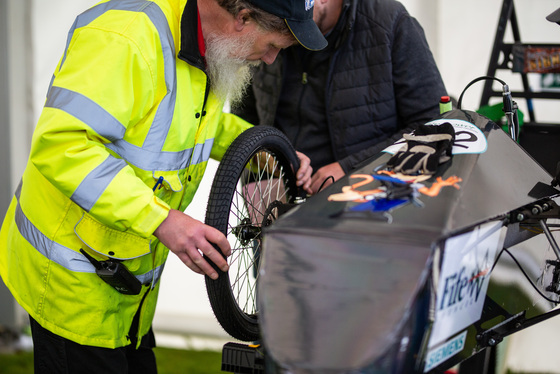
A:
[(381, 205), (444, 352)]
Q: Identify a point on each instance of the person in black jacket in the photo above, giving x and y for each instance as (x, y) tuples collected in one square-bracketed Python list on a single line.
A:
[(376, 80)]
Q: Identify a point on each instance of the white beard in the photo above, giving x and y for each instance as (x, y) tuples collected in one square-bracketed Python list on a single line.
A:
[(229, 76)]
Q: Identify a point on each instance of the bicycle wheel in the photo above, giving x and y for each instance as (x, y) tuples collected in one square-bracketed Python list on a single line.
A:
[(255, 183)]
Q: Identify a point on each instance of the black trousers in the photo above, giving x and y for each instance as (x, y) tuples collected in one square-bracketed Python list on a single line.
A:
[(57, 355)]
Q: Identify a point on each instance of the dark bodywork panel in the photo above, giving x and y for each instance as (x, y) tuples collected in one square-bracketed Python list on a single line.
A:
[(352, 284)]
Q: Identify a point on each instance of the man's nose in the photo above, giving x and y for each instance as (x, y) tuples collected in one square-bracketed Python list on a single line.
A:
[(269, 57)]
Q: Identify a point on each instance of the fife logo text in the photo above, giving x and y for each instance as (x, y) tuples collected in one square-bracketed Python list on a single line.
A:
[(463, 280), (462, 288)]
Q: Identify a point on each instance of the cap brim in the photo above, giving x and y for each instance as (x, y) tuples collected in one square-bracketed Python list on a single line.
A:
[(307, 34), (554, 16)]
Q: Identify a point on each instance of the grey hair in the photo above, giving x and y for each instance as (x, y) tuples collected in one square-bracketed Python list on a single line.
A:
[(267, 21)]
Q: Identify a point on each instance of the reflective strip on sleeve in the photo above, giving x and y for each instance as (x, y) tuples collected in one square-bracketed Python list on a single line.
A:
[(96, 182), (87, 111)]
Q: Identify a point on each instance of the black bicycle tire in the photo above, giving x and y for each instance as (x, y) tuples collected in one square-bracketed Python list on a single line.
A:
[(229, 314)]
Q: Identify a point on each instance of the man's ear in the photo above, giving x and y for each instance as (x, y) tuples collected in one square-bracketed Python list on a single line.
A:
[(242, 18)]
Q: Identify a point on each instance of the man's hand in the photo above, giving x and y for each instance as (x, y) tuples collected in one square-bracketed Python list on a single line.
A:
[(323, 176), (189, 239), (304, 173)]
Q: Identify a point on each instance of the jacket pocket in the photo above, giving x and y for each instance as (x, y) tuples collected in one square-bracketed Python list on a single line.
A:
[(110, 242)]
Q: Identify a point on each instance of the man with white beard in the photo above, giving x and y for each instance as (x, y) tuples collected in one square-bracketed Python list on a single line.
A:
[(132, 115)]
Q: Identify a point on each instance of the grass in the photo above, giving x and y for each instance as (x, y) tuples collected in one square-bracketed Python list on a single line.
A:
[(169, 361), (18, 363)]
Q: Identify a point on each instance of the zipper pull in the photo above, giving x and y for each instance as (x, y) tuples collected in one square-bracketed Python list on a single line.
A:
[(304, 78)]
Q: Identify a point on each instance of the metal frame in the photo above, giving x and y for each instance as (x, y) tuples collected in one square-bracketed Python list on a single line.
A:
[(505, 50)]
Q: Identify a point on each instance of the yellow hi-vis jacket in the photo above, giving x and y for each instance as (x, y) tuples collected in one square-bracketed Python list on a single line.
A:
[(129, 103)]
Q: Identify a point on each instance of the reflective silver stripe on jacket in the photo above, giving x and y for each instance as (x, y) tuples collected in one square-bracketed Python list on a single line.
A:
[(150, 156), (96, 182), (64, 256), (84, 109)]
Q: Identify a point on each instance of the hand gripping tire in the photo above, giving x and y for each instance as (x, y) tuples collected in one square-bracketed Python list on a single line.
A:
[(255, 182)]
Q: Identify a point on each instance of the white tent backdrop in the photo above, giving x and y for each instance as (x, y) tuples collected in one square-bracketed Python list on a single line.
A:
[(461, 34)]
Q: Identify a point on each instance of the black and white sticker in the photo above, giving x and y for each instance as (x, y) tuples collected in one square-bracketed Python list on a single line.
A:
[(468, 138)]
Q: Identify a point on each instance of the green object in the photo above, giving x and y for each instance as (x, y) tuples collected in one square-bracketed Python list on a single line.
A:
[(445, 104), (495, 113)]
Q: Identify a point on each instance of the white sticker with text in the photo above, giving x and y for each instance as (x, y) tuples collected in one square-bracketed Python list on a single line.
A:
[(464, 278)]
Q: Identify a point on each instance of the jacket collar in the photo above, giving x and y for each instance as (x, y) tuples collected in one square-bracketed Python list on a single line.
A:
[(189, 51), (345, 22)]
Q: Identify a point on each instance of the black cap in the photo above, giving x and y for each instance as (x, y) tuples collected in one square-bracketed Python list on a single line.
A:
[(298, 15), (554, 16)]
